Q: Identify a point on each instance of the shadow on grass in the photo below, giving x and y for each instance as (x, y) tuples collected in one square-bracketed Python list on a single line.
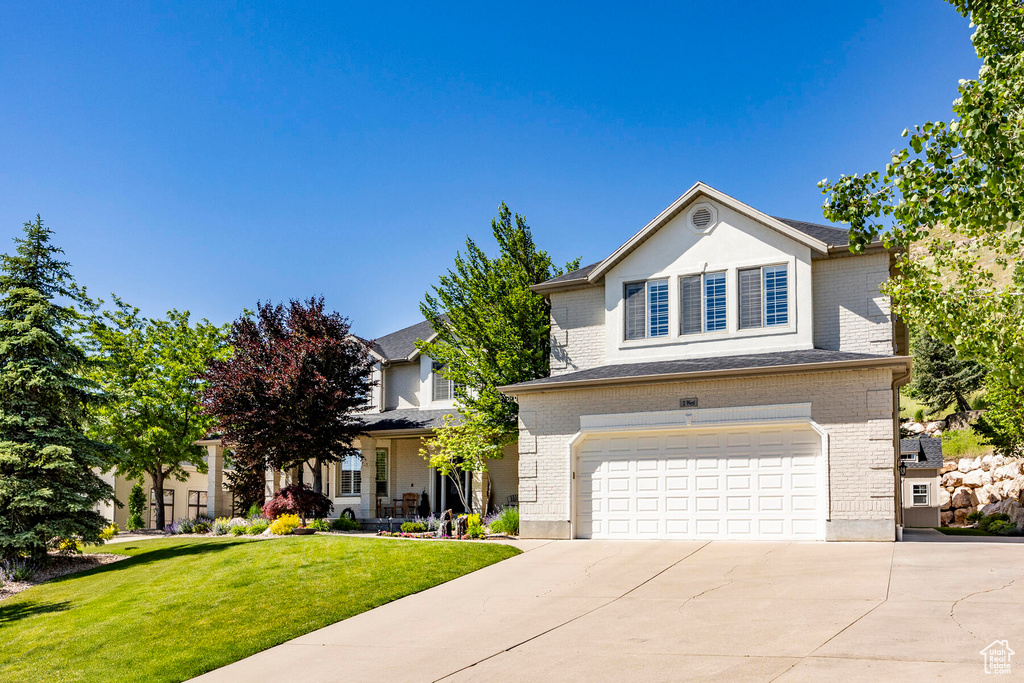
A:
[(182, 549), (23, 610)]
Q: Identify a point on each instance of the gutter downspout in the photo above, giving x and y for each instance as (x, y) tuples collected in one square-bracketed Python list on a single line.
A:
[(897, 382)]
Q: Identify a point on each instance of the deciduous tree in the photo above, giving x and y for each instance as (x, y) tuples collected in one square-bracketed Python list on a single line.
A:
[(953, 197), (291, 392), (49, 468), (152, 372)]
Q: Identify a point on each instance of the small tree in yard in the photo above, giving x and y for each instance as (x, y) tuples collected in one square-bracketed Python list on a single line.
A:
[(152, 372), (136, 508), (942, 378), (291, 392), (462, 447), (49, 481), (246, 478), (298, 499)]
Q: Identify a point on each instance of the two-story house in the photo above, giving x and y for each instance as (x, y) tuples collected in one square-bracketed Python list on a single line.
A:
[(723, 375)]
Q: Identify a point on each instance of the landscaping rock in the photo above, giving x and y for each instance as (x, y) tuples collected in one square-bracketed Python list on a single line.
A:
[(945, 500), (974, 478), (964, 497), (1010, 508), (954, 479), (960, 516), (936, 427), (963, 420), (948, 466), (965, 465), (946, 517), (914, 427), (984, 495)]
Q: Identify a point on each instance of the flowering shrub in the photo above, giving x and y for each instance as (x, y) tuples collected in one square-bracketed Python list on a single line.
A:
[(109, 532), (504, 521), (220, 526), (474, 529), (431, 522), (285, 524), (298, 499), (201, 525)]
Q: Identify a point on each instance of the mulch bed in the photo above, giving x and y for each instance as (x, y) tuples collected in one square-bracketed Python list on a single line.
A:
[(59, 565)]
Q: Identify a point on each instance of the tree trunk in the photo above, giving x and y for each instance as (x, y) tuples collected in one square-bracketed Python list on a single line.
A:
[(158, 498), (961, 402), (318, 476)]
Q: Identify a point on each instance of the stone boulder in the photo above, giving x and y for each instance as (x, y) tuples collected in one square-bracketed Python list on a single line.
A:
[(946, 517), (1003, 472), (914, 427), (976, 478), (948, 466), (945, 500), (990, 462), (964, 497), (963, 420), (954, 478), (934, 428), (985, 495), (965, 465), (960, 516), (1010, 508)]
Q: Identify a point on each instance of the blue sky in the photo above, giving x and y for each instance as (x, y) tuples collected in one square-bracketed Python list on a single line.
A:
[(203, 156)]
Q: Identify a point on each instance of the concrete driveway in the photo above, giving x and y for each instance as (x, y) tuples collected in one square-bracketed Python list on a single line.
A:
[(670, 611)]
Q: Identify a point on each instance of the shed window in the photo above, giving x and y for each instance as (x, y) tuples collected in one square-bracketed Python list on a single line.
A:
[(920, 494)]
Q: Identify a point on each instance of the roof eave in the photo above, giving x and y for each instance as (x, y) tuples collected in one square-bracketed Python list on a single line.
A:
[(894, 361)]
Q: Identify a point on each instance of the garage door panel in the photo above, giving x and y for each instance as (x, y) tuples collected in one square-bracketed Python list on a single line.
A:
[(733, 483)]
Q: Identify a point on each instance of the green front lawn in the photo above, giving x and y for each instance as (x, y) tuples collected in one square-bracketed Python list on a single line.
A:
[(962, 531), (180, 607)]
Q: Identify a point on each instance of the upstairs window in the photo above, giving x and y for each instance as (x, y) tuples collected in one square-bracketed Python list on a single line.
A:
[(702, 303), (444, 389), (646, 309), (763, 297)]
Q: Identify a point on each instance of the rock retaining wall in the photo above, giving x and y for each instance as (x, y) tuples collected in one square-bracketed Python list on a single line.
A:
[(968, 484)]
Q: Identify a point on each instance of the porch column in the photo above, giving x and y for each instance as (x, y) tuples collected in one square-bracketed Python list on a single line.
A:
[(368, 482), (479, 492), (214, 480), (275, 481)]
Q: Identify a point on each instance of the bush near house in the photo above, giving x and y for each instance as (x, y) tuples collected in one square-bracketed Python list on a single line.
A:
[(345, 524), (298, 499), (285, 524), (506, 521)]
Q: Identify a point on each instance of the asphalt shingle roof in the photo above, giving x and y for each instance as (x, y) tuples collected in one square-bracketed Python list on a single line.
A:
[(400, 345), (406, 418), (700, 365), (928, 449)]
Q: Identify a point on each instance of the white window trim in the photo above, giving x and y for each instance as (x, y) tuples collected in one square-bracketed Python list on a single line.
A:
[(341, 469), (673, 313), (908, 456), (927, 494)]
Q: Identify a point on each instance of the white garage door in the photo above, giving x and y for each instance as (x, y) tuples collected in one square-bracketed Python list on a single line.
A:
[(749, 483)]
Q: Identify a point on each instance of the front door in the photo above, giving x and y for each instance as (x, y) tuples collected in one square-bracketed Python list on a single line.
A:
[(447, 493)]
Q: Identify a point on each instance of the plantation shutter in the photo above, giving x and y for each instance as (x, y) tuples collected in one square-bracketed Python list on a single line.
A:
[(750, 298), (689, 305), (636, 323)]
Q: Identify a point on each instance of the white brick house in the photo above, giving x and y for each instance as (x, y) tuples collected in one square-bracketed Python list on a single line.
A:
[(723, 374)]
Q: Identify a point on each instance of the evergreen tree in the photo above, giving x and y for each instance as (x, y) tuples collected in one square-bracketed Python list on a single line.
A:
[(941, 377), (49, 469), (492, 329)]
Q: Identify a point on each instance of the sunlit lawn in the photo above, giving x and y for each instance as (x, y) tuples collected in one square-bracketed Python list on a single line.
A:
[(179, 607)]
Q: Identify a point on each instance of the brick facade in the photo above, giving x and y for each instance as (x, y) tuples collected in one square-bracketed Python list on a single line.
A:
[(853, 406), (577, 330), (850, 313)]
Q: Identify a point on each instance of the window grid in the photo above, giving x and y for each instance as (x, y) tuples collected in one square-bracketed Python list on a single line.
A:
[(197, 504), (657, 294), (636, 326), (776, 296), (920, 494), (714, 302)]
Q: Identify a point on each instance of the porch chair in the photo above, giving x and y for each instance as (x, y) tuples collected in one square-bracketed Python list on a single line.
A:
[(384, 506), (409, 502)]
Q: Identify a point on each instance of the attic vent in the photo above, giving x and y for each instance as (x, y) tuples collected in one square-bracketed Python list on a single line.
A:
[(702, 218)]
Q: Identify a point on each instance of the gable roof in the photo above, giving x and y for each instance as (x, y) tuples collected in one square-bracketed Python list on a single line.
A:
[(699, 190), (820, 238), (401, 345), (928, 450)]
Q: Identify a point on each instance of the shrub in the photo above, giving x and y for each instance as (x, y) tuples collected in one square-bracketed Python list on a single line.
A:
[(258, 527), (68, 546), (319, 525), (239, 530), (414, 527), (186, 526), (220, 526), (919, 415), (109, 532), (255, 511), (975, 515), (201, 526), (136, 506), (506, 521), (1002, 527), (988, 521), (18, 570), (298, 499), (345, 524), (474, 528), (285, 524)]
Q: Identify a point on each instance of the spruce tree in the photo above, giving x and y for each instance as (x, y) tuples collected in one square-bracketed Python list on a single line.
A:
[(49, 469)]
